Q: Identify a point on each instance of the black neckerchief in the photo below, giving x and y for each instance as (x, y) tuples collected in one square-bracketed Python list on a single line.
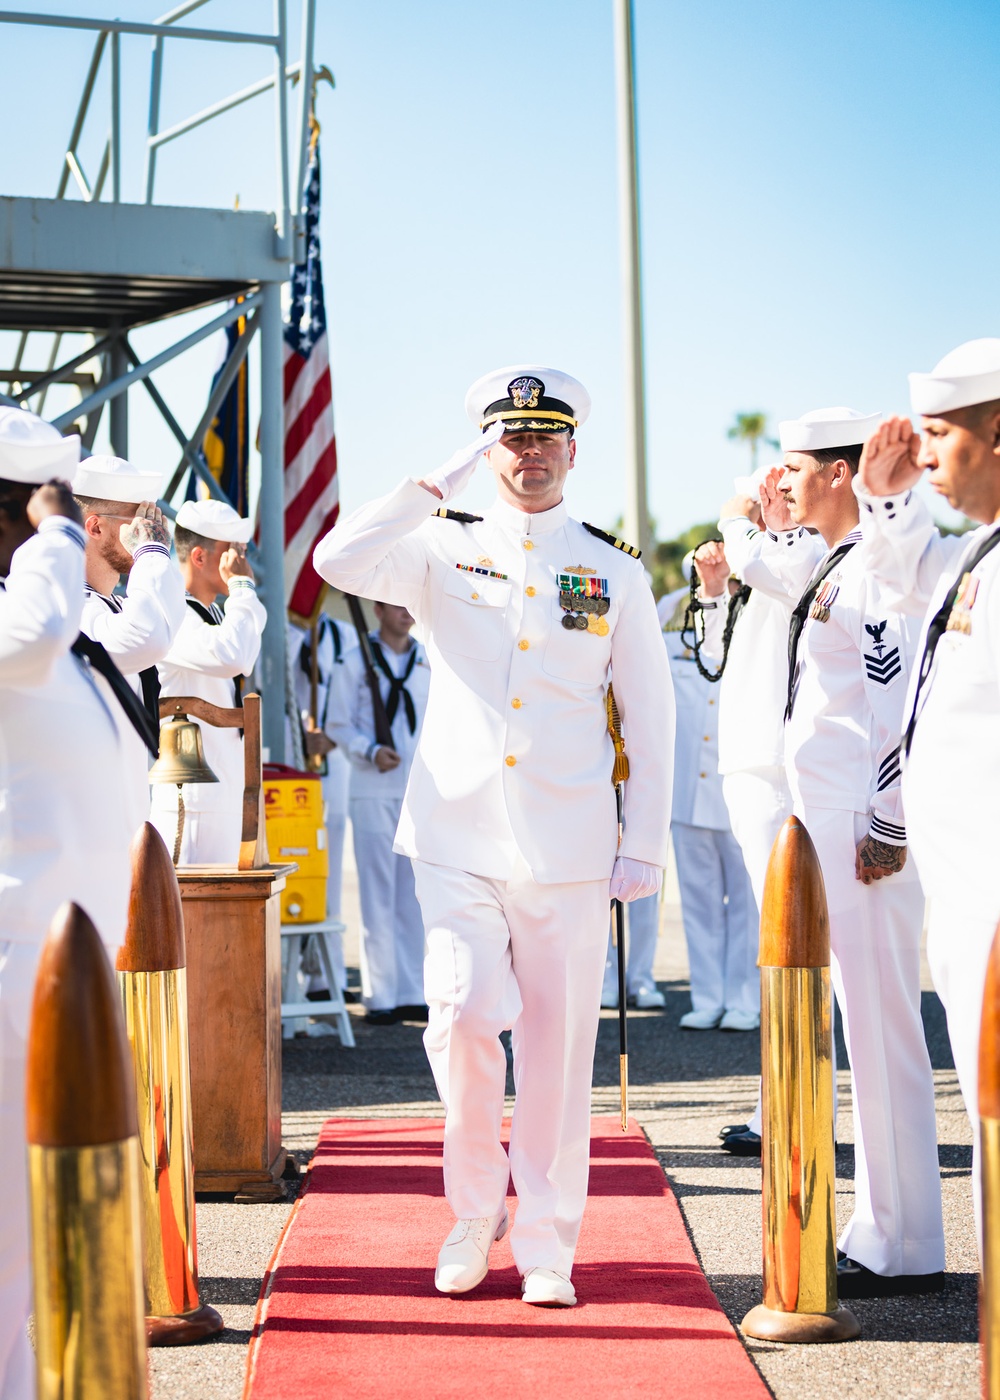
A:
[(149, 679), (939, 625), (801, 611), (214, 617), (134, 708), (397, 685)]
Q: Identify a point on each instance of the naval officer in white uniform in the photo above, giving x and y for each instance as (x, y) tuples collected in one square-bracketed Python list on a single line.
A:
[(849, 657), (59, 839), (214, 648), (127, 537), (951, 774), (510, 813)]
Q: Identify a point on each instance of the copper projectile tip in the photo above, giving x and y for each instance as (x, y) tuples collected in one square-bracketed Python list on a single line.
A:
[(80, 1081), (154, 939), (989, 1037), (794, 923)]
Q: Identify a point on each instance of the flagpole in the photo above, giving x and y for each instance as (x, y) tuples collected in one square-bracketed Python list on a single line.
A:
[(273, 648), (636, 516)]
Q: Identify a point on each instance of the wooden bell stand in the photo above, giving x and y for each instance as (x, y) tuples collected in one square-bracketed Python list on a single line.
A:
[(232, 925)]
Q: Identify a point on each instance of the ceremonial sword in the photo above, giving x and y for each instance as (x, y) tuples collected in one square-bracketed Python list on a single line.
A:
[(618, 777)]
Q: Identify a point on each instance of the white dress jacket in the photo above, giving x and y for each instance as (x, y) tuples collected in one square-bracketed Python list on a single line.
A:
[(514, 755)]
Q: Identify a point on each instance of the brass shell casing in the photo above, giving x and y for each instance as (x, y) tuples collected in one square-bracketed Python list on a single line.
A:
[(156, 1023), (90, 1338), (989, 1298)]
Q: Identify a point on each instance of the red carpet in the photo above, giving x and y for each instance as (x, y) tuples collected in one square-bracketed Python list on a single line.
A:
[(349, 1309)]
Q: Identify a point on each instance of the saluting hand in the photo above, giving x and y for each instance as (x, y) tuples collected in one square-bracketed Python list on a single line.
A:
[(712, 567), (54, 498), (148, 526), (773, 506), (456, 473), (889, 460), (234, 564)]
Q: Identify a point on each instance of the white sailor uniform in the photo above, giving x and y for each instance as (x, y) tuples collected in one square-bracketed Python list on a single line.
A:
[(136, 631), (61, 838), (211, 650), (720, 921), (510, 817), (842, 759), (952, 773), (392, 931)]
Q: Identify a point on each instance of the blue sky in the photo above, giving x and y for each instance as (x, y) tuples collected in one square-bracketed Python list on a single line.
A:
[(819, 210)]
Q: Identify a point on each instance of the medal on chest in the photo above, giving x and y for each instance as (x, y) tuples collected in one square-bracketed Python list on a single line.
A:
[(960, 617), (584, 599), (825, 598)]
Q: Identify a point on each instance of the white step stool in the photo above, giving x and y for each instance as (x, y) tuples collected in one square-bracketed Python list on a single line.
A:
[(333, 1011)]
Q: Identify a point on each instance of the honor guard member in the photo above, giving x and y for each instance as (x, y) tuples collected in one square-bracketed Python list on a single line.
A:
[(951, 751), (849, 655), (510, 812), (392, 931), (333, 641), (716, 899), (212, 651), (60, 838), (127, 537)]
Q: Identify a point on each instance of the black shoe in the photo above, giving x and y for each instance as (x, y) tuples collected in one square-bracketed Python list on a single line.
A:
[(412, 1013), (733, 1128), (855, 1281), (322, 995), (381, 1018), (742, 1144), (351, 998)]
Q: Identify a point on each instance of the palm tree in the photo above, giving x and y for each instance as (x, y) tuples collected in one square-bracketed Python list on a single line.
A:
[(751, 428)]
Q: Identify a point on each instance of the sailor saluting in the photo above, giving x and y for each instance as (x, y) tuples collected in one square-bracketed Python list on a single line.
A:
[(509, 814)]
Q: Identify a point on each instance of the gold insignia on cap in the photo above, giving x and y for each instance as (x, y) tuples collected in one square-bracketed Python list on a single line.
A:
[(525, 392)]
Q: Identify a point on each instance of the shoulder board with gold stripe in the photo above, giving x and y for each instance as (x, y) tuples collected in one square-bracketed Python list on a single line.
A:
[(612, 540), (463, 517)]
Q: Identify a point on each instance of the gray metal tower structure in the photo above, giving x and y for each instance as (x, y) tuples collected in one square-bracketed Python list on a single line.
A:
[(104, 267)]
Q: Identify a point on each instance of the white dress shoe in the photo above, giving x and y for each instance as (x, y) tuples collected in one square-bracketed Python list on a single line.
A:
[(700, 1020), (464, 1258), (739, 1021), (649, 999), (547, 1289)]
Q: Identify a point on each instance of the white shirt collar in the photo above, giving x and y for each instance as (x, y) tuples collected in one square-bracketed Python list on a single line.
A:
[(519, 522)]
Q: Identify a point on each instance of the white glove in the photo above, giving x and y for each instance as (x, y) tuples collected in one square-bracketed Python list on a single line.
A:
[(634, 879), (454, 476)]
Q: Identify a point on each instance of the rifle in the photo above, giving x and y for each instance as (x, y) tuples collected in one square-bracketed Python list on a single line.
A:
[(383, 730), (618, 776)]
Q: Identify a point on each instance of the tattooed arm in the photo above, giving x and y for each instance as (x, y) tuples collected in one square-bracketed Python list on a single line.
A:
[(876, 860)]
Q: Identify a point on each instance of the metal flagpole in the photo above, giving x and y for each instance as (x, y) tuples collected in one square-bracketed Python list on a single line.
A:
[(636, 520)]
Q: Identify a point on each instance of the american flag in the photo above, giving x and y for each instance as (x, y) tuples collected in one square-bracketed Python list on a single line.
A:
[(311, 495)]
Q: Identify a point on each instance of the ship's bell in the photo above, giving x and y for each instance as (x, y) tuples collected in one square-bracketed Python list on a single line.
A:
[(182, 758)]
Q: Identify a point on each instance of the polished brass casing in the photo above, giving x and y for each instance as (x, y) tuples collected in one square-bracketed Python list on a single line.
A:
[(156, 1023), (989, 1303), (90, 1337), (797, 1153)]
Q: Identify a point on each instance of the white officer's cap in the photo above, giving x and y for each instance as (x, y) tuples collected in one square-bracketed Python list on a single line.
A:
[(528, 398), (113, 479), (966, 376), (827, 427), (32, 451), (215, 520)]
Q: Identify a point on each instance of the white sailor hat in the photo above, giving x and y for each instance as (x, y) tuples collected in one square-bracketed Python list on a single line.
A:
[(968, 375), (32, 451), (528, 398), (214, 520), (827, 427), (750, 485), (114, 479)]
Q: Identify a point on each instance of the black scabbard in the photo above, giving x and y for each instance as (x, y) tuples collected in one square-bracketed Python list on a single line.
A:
[(383, 729)]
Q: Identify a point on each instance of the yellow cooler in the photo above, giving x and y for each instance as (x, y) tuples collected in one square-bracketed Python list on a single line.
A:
[(296, 831)]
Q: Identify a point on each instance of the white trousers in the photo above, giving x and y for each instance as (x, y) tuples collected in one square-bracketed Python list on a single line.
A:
[(18, 963), (513, 953), (875, 929), (759, 803), (720, 920), (392, 931), (958, 950), (642, 920)]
